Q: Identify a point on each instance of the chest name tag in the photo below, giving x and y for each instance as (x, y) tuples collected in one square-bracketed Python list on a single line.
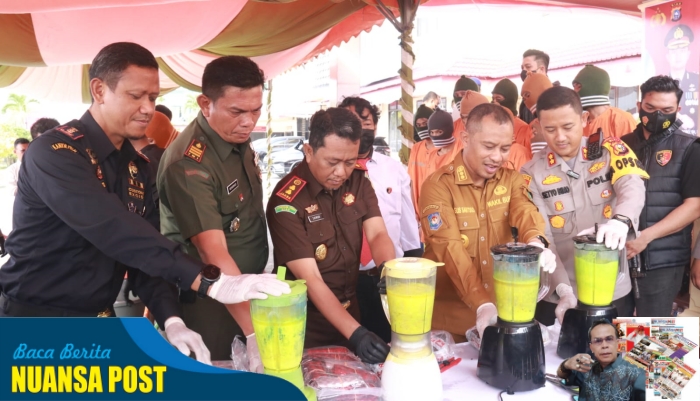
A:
[(315, 217), (232, 186)]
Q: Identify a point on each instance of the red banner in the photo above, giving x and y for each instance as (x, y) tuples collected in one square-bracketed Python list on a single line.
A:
[(671, 48)]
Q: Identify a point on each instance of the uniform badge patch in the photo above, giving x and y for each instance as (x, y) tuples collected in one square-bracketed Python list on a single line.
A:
[(618, 147), (500, 190), (133, 170), (461, 173), (315, 217), (70, 132), (551, 179), (92, 155), (528, 179), (312, 208), (434, 221), (607, 211), (135, 183), (584, 153), (606, 193), (98, 171), (596, 167), (286, 208), (557, 221), (321, 252), (348, 199), (200, 173), (663, 157), (389, 190), (430, 207), (551, 159), (235, 225), (61, 145), (558, 206), (196, 150), (232, 186), (465, 240), (291, 189)]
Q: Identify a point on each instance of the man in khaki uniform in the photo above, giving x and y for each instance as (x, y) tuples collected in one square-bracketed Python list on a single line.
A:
[(211, 196), (575, 188), (466, 208)]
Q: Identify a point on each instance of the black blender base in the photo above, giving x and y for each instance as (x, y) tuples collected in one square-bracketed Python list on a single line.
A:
[(573, 338), (512, 356)]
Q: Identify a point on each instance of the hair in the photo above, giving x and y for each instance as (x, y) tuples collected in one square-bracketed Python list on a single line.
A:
[(664, 84), (476, 116), (42, 125), (540, 57), (237, 71), (559, 96), (112, 60), (431, 96), (361, 104), (335, 120), (165, 110), (600, 322), (21, 141)]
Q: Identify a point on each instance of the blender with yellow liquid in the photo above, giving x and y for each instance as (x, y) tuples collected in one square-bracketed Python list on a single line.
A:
[(511, 356), (598, 271), (411, 371), (280, 327)]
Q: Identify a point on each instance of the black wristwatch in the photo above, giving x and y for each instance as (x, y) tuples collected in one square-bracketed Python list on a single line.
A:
[(543, 240), (210, 275), (623, 219)]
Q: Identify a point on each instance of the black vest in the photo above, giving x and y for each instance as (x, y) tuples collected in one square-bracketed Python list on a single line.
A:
[(663, 193)]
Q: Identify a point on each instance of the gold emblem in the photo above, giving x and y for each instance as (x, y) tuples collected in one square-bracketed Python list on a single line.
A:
[(93, 156), (557, 221), (528, 179), (235, 225), (551, 179), (461, 173), (346, 304), (607, 211), (500, 190), (348, 199), (596, 167), (321, 252), (558, 206), (312, 208), (133, 171), (465, 240)]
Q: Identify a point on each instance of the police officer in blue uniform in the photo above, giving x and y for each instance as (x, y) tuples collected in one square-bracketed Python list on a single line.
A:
[(84, 215)]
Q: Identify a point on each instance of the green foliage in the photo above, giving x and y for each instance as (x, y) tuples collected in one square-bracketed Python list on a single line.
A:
[(8, 134), (18, 104)]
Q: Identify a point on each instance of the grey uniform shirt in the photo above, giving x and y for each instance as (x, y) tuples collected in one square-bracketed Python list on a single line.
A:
[(569, 205)]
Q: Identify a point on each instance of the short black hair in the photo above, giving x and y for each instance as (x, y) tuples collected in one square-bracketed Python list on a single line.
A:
[(237, 71), (540, 56), (600, 322), (559, 96), (165, 110), (112, 60), (42, 125), (360, 104), (476, 116), (21, 141), (335, 120), (664, 84)]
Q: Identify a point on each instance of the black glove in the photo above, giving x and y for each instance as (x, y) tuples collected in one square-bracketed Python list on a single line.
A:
[(368, 346), (382, 282)]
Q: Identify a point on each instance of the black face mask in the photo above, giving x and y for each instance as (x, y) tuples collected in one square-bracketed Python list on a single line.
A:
[(366, 141), (523, 74), (656, 122)]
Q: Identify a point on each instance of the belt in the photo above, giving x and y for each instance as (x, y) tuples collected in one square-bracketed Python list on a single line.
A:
[(10, 307), (371, 272)]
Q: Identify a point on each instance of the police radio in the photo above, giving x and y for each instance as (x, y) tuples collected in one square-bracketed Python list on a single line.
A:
[(594, 149)]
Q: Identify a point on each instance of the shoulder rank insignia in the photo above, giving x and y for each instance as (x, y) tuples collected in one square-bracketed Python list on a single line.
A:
[(196, 150), (551, 159), (291, 189), (144, 157), (71, 132)]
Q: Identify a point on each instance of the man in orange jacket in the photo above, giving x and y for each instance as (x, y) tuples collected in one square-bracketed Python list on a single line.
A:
[(505, 93)]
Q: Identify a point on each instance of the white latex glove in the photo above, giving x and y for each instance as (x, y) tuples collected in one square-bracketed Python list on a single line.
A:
[(186, 340), (235, 289), (614, 232), (567, 300), (486, 315), (254, 361), (548, 261)]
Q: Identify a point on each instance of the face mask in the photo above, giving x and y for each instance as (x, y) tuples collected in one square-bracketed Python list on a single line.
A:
[(523, 74), (656, 122), (366, 141)]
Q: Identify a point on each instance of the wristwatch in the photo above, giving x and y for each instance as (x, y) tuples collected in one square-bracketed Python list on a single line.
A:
[(623, 219), (210, 275), (543, 240)]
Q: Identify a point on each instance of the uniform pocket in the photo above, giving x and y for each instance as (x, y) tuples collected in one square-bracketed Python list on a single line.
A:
[(562, 223), (229, 213), (599, 189), (350, 214), (468, 225)]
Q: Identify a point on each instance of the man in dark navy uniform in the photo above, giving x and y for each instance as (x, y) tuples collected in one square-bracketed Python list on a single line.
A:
[(84, 215), (677, 41)]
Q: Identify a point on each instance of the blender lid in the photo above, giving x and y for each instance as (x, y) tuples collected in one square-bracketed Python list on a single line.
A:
[(586, 239), (516, 248), (410, 267), (298, 288)]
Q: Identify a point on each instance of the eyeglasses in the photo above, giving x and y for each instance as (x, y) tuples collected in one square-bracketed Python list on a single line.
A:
[(608, 339)]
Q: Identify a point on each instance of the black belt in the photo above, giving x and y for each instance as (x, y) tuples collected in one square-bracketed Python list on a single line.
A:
[(10, 307), (371, 272)]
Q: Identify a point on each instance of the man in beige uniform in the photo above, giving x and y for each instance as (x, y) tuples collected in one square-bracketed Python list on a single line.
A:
[(574, 188)]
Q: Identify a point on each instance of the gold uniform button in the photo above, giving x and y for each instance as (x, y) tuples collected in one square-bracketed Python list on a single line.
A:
[(465, 240), (465, 224), (483, 262), (321, 252)]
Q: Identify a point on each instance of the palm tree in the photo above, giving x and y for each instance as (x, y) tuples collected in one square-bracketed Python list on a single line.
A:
[(18, 104)]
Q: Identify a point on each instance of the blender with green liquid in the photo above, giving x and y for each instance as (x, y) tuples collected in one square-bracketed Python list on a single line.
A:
[(511, 356), (598, 271), (280, 327)]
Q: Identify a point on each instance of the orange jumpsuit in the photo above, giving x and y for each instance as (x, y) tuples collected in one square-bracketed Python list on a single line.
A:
[(519, 155), (614, 122), (523, 134)]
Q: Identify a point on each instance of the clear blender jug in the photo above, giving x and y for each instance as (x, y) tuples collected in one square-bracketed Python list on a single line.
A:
[(518, 282), (597, 269)]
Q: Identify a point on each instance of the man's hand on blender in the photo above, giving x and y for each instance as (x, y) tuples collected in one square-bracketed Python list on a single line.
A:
[(186, 340), (567, 300), (368, 346), (613, 233), (486, 315), (244, 287), (548, 261)]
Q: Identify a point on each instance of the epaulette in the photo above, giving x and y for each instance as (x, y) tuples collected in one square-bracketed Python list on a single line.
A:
[(196, 150), (69, 131), (144, 157), (291, 189), (358, 166)]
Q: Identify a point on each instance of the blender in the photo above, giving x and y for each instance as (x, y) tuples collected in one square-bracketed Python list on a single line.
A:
[(598, 271), (511, 356), (411, 371), (280, 327)]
